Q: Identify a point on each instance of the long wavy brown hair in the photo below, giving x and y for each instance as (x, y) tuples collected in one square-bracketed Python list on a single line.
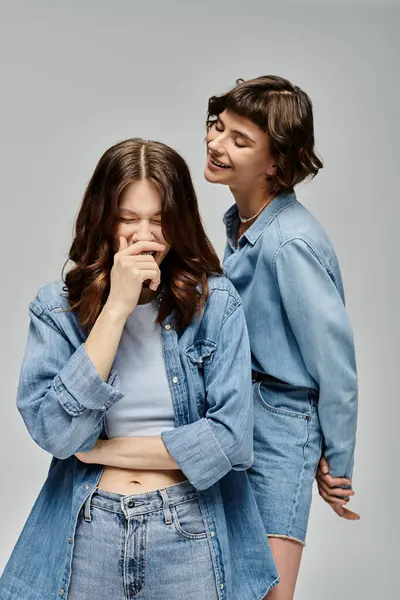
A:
[(285, 113), (191, 259)]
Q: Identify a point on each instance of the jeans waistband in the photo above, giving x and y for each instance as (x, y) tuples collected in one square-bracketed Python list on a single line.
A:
[(139, 504), (257, 376)]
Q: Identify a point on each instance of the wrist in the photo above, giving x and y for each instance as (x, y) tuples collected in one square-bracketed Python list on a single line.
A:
[(115, 313)]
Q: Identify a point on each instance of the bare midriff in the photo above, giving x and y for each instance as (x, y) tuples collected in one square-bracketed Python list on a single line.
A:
[(129, 481)]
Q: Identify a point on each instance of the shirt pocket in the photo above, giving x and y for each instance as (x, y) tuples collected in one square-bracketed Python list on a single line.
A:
[(199, 357)]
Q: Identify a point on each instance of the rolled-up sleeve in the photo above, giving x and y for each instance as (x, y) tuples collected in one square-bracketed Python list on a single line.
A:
[(209, 448), (317, 315), (61, 396)]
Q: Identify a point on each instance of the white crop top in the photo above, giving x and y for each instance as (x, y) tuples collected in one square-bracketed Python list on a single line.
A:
[(146, 408)]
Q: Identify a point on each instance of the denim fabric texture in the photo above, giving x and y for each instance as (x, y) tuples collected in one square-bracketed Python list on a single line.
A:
[(63, 402), (288, 277)]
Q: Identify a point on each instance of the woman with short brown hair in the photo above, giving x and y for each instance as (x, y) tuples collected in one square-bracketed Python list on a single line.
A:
[(260, 143)]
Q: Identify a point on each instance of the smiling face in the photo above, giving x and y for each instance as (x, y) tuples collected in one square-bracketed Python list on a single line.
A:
[(238, 153), (140, 216)]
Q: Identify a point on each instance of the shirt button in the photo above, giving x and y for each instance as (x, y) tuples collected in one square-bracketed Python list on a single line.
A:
[(222, 586), (87, 486), (70, 540), (167, 326), (62, 592), (212, 533), (175, 380)]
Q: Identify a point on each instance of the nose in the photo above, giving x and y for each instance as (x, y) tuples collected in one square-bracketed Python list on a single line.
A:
[(143, 233), (216, 146)]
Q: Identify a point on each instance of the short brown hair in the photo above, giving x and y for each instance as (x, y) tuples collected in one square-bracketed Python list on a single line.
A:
[(284, 112), (191, 259)]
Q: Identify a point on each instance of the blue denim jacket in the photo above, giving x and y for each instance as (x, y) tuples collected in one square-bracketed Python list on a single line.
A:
[(63, 402), (288, 276)]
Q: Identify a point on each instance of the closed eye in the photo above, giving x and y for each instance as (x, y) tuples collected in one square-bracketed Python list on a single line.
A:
[(240, 145), (131, 220)]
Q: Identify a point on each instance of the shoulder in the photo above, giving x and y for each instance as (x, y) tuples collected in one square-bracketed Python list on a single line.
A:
[(297, 222), (297, 228), (50, 297), (220, 285), (223, 298), (51, 306), (221, 288)]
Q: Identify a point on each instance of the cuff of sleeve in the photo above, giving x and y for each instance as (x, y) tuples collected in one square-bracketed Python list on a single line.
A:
[(196, 450), (80, 387), (340, 465)]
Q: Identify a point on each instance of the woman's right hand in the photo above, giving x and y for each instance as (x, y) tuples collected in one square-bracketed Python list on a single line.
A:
[(131, 268), (331, 490)]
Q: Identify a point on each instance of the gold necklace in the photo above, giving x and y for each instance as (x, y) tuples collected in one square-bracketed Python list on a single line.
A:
[(242, 220)]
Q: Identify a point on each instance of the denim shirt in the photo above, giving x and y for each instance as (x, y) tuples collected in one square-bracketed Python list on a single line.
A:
[(288, 276), (63, 402)]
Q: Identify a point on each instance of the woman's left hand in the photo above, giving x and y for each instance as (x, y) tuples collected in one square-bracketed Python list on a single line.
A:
[(331, 490)]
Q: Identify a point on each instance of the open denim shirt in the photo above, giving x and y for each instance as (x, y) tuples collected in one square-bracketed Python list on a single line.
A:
[(63, 402)]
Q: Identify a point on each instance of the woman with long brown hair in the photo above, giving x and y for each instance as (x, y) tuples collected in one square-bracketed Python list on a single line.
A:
[(136, 379)]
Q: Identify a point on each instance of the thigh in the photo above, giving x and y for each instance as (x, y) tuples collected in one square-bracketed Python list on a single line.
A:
[(287, 555), (287, 448), (178, 556), (96, 562)]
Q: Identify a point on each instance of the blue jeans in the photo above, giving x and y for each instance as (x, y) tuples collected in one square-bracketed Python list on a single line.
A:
[(143, 546)]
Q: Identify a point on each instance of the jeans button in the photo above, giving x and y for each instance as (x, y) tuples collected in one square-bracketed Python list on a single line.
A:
[(131, 503)]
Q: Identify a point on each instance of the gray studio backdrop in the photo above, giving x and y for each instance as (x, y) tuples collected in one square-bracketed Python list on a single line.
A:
[(78, 76)]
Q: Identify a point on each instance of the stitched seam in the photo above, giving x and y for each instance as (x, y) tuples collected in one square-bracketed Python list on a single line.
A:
[(286, 537), (296, 499), (216, 439), (289, 241), (234, 297), (272, 585), (227, 316), (279, 411), (44, 317), (351, 459), (272, 219)]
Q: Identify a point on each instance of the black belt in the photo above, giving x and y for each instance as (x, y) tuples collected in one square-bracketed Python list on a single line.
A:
[(257, 376)]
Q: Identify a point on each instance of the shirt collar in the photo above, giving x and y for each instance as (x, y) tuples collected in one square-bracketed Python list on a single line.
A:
[(231, 218)]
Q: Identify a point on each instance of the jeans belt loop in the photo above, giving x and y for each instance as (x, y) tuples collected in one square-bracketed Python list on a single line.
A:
[(166, 508)]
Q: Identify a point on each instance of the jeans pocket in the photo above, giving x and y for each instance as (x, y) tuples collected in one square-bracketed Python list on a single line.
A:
[(188, 520), (285, 400)]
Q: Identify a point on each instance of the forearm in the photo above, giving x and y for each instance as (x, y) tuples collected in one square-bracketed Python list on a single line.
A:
[(141, 453), (102, 342)]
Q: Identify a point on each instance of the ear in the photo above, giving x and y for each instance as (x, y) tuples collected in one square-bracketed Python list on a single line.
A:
[(271, 170)]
